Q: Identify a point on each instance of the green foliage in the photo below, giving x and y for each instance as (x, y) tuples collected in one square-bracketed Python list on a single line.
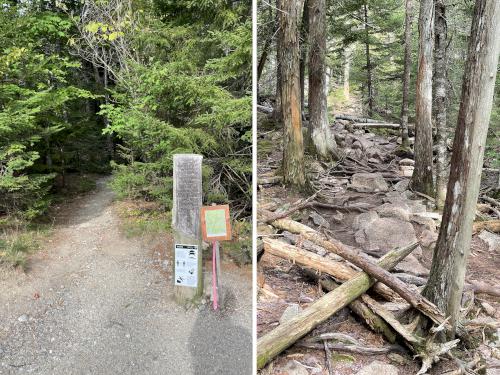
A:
[(35, 99), (190, 93)]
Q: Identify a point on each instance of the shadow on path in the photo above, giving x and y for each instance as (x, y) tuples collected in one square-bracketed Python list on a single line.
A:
[(219, 346)]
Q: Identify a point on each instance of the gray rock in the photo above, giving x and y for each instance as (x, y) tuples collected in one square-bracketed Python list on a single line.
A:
[(426, 221), (412, 266), (491, 239), (368, 182), (319, 220), (294, 368), (384, 234), (402, 185), (290, 312), (378, 368), (364, 220), (394, 210), (23, 318), (428, 238)]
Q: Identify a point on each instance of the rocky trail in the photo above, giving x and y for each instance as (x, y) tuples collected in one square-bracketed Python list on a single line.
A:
[(364, 202), (96, 302)]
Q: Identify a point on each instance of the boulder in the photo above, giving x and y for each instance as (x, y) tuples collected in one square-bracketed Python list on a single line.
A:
[(368, 182), (363, 220), (412, 266), (319, 220), (384, 234), (394, 210), (377, 367), (491, 239), (428, 238), (402, 185)]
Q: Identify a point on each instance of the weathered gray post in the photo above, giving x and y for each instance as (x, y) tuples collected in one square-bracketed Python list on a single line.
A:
[(188, 267)]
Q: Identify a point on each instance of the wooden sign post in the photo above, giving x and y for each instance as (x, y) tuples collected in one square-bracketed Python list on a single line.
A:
[(215, 227), (188, 266)]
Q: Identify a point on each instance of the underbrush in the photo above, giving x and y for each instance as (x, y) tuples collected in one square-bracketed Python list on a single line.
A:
[(141, 218), (18, 240), (239, 249)]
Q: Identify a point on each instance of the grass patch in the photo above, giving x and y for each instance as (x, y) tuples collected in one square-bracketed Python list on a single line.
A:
[(141, 218), (16, 247)]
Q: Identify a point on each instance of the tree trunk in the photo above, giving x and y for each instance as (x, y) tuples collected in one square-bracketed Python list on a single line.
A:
[(440, 74), (322, 139), (347, 71), (277, 114), (406, 73), (109, 136), (422, 175), (293, 147), (304, 32), (368, 62), (446, 280)]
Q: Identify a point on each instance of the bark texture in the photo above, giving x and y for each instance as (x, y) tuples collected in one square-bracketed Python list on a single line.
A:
[(322, 138), (347, 71), (440, 75), (369, 85), (406, 73), (446, 280), (422, 175), (293, 150)]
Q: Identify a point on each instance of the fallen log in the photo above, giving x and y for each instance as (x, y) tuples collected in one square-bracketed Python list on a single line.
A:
[(415, 299), (272, 180), (491, 225), (306, 258), (482, 287), (357, 349), (356, 119), (375, 125), (286, 334), (375, 322)]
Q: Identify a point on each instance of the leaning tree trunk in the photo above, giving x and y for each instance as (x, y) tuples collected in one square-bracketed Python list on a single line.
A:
[(446, 279), (293, 147), (440, 74), (406, 73), (422, 175), (369, 84), (322, 139)]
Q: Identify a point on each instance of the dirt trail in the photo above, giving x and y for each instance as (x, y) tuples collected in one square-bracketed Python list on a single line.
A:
[(93, 302)]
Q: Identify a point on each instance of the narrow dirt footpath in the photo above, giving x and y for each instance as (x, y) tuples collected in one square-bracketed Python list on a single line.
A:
[(92, 302)]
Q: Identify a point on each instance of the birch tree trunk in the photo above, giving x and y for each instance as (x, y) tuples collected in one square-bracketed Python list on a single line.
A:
[(323, 141), (406, 73), (440, 75), (446, 280), (347, 71), (422, 175), (289, 59)]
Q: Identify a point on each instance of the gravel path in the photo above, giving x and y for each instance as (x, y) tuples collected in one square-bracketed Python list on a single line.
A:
[(93, 303)]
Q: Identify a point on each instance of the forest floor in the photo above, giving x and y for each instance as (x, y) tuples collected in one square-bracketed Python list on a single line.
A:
[(378, 213), (93, 301)]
